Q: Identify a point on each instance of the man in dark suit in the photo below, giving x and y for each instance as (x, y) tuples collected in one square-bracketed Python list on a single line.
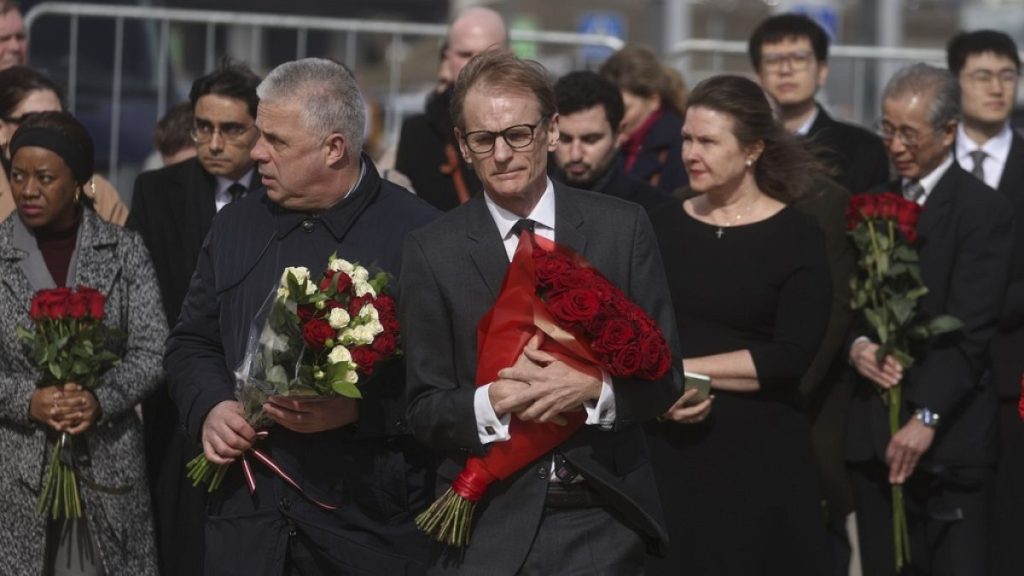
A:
[(322, 196), (789, 52), (427, 151), (172, 209), (987, 65), (944, 452), (539, 520), (590, 113)]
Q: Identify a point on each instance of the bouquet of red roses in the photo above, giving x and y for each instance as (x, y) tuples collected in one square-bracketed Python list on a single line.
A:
[(584, 319), (311, 339), (886, 287), (69, 343)]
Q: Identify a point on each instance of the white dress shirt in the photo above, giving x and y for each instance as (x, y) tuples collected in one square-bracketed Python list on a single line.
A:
[(222, 197), (929, 181), (997, 150), (490, 427)]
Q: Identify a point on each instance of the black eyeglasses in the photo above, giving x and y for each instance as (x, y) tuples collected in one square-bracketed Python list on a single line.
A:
[(517, 137), (797, 61)]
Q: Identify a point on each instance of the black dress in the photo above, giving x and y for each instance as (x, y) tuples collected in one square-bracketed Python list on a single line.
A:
[(739, 489)]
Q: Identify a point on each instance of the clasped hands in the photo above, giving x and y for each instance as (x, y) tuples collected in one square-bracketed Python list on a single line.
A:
[(541, 387), (226, 434), (68, 408), (913, 439)]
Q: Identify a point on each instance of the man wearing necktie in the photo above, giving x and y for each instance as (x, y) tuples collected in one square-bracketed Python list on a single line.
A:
[(943, 454), (172, 209), (592, 506), (988, 67)]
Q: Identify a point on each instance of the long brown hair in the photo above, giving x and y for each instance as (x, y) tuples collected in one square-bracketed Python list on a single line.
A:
[(637, 70), (785, 169)]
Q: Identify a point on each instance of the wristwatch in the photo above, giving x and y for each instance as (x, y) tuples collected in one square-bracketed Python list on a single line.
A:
[(927, 417)]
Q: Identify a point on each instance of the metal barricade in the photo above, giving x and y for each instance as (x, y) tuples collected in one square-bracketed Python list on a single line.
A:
[(211, 19)]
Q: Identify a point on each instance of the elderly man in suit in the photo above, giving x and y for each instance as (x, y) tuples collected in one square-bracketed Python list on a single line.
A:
[(172, 209), (600, 513), (988, 67), (322, 196), (944, 451)]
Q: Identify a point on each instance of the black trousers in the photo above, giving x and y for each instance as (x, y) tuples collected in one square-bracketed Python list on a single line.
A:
[(948, 514), (1008, 518), (586, 541)]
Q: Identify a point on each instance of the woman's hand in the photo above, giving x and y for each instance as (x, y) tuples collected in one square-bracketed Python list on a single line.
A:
[(43, 406), (77, 409), (685, 413)]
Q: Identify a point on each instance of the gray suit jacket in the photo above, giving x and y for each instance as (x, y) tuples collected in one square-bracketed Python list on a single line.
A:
[(451, 275)]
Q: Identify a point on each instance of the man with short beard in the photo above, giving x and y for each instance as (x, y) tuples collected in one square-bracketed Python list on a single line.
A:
[(590, 111)]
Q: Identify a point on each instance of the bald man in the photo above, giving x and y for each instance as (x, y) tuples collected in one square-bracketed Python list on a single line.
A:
[(13, 38), (427, 150)]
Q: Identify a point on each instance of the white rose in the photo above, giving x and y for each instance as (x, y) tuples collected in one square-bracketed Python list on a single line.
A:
[(338, 318), (369, 311), (301, 273), (358, 335), (282, 293), (364, 288), (375, 327), (339, 354), (339, 265), (360, 274), (351, 377)]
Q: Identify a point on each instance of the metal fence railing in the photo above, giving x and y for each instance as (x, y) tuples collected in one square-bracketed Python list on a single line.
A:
[(160, 20)]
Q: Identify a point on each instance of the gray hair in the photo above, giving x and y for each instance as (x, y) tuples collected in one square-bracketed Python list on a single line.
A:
[(921, 79), (327, 93)]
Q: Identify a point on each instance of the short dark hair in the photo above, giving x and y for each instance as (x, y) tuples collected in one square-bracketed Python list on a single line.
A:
[(967, 44), (172, 131), (785, 27), (231, 79), (583, 90), (499, 68), (17, 82), (786, 169)]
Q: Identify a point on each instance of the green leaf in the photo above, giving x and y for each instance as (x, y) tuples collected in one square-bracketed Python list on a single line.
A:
[(345, 389), (56, 370), (943, 324), (903, 357), (904, 253), (902, 309)]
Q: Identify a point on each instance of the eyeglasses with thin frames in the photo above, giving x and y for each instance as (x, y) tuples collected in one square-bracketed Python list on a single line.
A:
[(517, 137), (910, 137), (203, 132), (985, 77), (797, 61)]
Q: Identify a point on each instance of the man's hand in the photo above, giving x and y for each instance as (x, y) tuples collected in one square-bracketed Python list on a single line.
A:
[(309, 416), (886, 374), (78, 409), (906, 448), (226, 434), (689, 413), (554, 387)]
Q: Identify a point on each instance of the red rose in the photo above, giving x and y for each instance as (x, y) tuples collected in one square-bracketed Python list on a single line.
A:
[(861, 206), (385, 304), (77, 305), (344, 283), (385, 344), (356, 303), (95, 300), (57, 303), (574, 305), (306, 312), (657, 358), (627, 361), (615, 334), (550, 265), (575, 278), (365, 357), (316, 333), (325, 283), (907, 216), (37, 310)]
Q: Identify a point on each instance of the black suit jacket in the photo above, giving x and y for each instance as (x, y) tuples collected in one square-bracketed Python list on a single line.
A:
[(965, 233), (1007, 353), (856, 156), (451, 275), (660, 160)]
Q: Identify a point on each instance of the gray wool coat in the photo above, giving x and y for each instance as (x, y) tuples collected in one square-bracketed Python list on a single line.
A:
[(115, 262)]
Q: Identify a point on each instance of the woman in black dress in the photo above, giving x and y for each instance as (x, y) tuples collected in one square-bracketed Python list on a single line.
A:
[(751, 289)]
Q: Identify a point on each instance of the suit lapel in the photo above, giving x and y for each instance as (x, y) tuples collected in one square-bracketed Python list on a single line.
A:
[(1013, 170), (485, 245), (97, 264), (568, 220), (935, 207)]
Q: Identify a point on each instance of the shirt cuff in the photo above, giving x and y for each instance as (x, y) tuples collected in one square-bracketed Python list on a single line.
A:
[(602, 413), (857, 340), (489, 427)]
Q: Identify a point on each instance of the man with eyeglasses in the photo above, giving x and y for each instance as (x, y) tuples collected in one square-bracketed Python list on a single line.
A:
[(987, 65), (944, 451), (597, 511), (172, 209), (789, 53)]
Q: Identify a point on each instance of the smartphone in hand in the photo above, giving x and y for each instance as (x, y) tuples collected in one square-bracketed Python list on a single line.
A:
[(700, 382)]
